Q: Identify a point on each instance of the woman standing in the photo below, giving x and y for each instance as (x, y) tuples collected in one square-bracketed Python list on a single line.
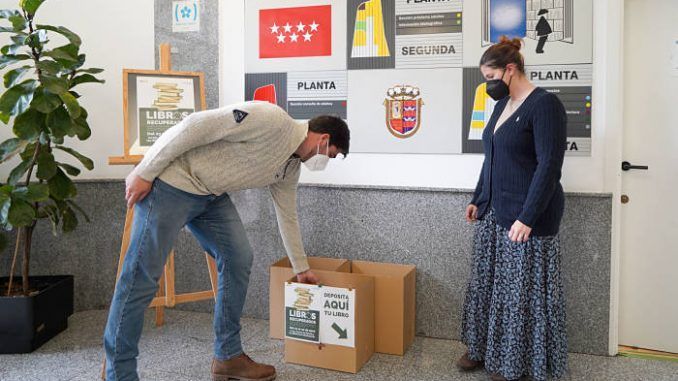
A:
[(514, 312)]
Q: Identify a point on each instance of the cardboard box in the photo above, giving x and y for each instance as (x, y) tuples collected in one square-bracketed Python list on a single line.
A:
[(336, 357), (280, 272), (394, 311)]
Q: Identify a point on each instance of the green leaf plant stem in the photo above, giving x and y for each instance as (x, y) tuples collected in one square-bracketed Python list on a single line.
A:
[(42, 65)]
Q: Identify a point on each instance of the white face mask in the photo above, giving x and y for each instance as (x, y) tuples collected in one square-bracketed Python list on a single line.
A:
[(318, 162)]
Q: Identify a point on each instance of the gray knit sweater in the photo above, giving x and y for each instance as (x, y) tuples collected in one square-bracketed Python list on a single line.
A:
[(241, 146)]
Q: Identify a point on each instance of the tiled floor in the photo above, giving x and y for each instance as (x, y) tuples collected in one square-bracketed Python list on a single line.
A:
[(181, 350)]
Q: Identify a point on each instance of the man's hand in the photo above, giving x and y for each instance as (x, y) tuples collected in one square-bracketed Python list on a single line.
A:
[(136, 189), (519, 232), (307, 277), (471, 213)]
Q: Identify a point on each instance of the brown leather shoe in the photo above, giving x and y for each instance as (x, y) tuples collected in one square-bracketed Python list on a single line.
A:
[(241, 368), (465, 363)]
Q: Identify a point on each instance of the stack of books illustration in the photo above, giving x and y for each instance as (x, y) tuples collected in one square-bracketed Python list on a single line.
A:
[(169, 96)]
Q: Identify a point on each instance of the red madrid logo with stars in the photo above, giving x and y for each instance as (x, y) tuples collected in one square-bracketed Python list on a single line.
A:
[(295, 32)]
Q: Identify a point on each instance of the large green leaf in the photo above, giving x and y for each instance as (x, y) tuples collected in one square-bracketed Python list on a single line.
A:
[(54, 84), (72, 104), (16, 99), (11, 147), (28, 125), (71, 170), (83, 113), (69, 220), (67, 53), (32, 193), (44, 101), (49, 67), (19, 38), (51, 212), (57, 140), (72, 37), (61, 187), (60, 123), (9, 59), (21, 213), (31, 6), (18, 22), (85, 78), (78, 208), (81, 61), (11, 49), (82, 129), (47, 166), (93, 70), (29, 151), (19, 171), (86, 162), (13, 76), (5, 192)]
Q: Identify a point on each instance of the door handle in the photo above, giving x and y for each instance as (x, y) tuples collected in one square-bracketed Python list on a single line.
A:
[(626, 166)]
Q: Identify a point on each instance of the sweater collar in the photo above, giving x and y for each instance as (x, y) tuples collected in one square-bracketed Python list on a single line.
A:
[(299, 134)]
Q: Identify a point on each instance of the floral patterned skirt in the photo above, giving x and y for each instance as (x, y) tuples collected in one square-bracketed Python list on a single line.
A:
[(514, 311)]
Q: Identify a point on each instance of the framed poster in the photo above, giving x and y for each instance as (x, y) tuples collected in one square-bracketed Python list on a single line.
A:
[(154, 101)]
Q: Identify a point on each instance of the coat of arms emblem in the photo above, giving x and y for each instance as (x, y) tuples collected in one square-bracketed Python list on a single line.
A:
[(403, 110)]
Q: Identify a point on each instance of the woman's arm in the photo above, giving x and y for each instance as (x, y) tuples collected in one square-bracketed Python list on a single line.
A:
[(479, 185), (550, 135)]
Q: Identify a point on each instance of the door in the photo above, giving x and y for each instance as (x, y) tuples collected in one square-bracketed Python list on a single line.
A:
[(648, 304)]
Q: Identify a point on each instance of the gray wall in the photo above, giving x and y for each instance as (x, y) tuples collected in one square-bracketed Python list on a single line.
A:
[(193, 51), (418, 226)]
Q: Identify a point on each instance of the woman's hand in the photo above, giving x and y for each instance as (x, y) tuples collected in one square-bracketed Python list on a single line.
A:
[(471, 213), (519, 232)]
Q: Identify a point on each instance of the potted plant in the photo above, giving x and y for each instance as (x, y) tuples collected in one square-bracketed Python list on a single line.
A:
[(41, 105)]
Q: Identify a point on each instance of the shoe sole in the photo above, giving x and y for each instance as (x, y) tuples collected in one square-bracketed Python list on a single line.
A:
[(223, 377)]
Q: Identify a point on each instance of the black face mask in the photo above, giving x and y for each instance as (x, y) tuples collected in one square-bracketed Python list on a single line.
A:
[(497, 88)]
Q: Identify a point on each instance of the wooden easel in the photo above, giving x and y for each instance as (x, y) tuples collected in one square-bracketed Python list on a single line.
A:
[(166, 295)]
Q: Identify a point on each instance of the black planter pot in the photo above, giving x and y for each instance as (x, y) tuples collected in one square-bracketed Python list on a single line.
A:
[(27, 322)]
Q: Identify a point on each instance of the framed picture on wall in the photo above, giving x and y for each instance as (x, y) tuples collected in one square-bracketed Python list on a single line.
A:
[(154, 101)]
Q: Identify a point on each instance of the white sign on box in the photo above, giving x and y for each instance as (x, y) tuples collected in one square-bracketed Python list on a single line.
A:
[(320, 314)]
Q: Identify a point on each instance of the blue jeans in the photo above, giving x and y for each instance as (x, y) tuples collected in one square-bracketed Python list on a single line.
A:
[(158, 218)]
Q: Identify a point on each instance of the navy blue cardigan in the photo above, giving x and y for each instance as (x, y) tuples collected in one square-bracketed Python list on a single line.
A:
[(520, 178)]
